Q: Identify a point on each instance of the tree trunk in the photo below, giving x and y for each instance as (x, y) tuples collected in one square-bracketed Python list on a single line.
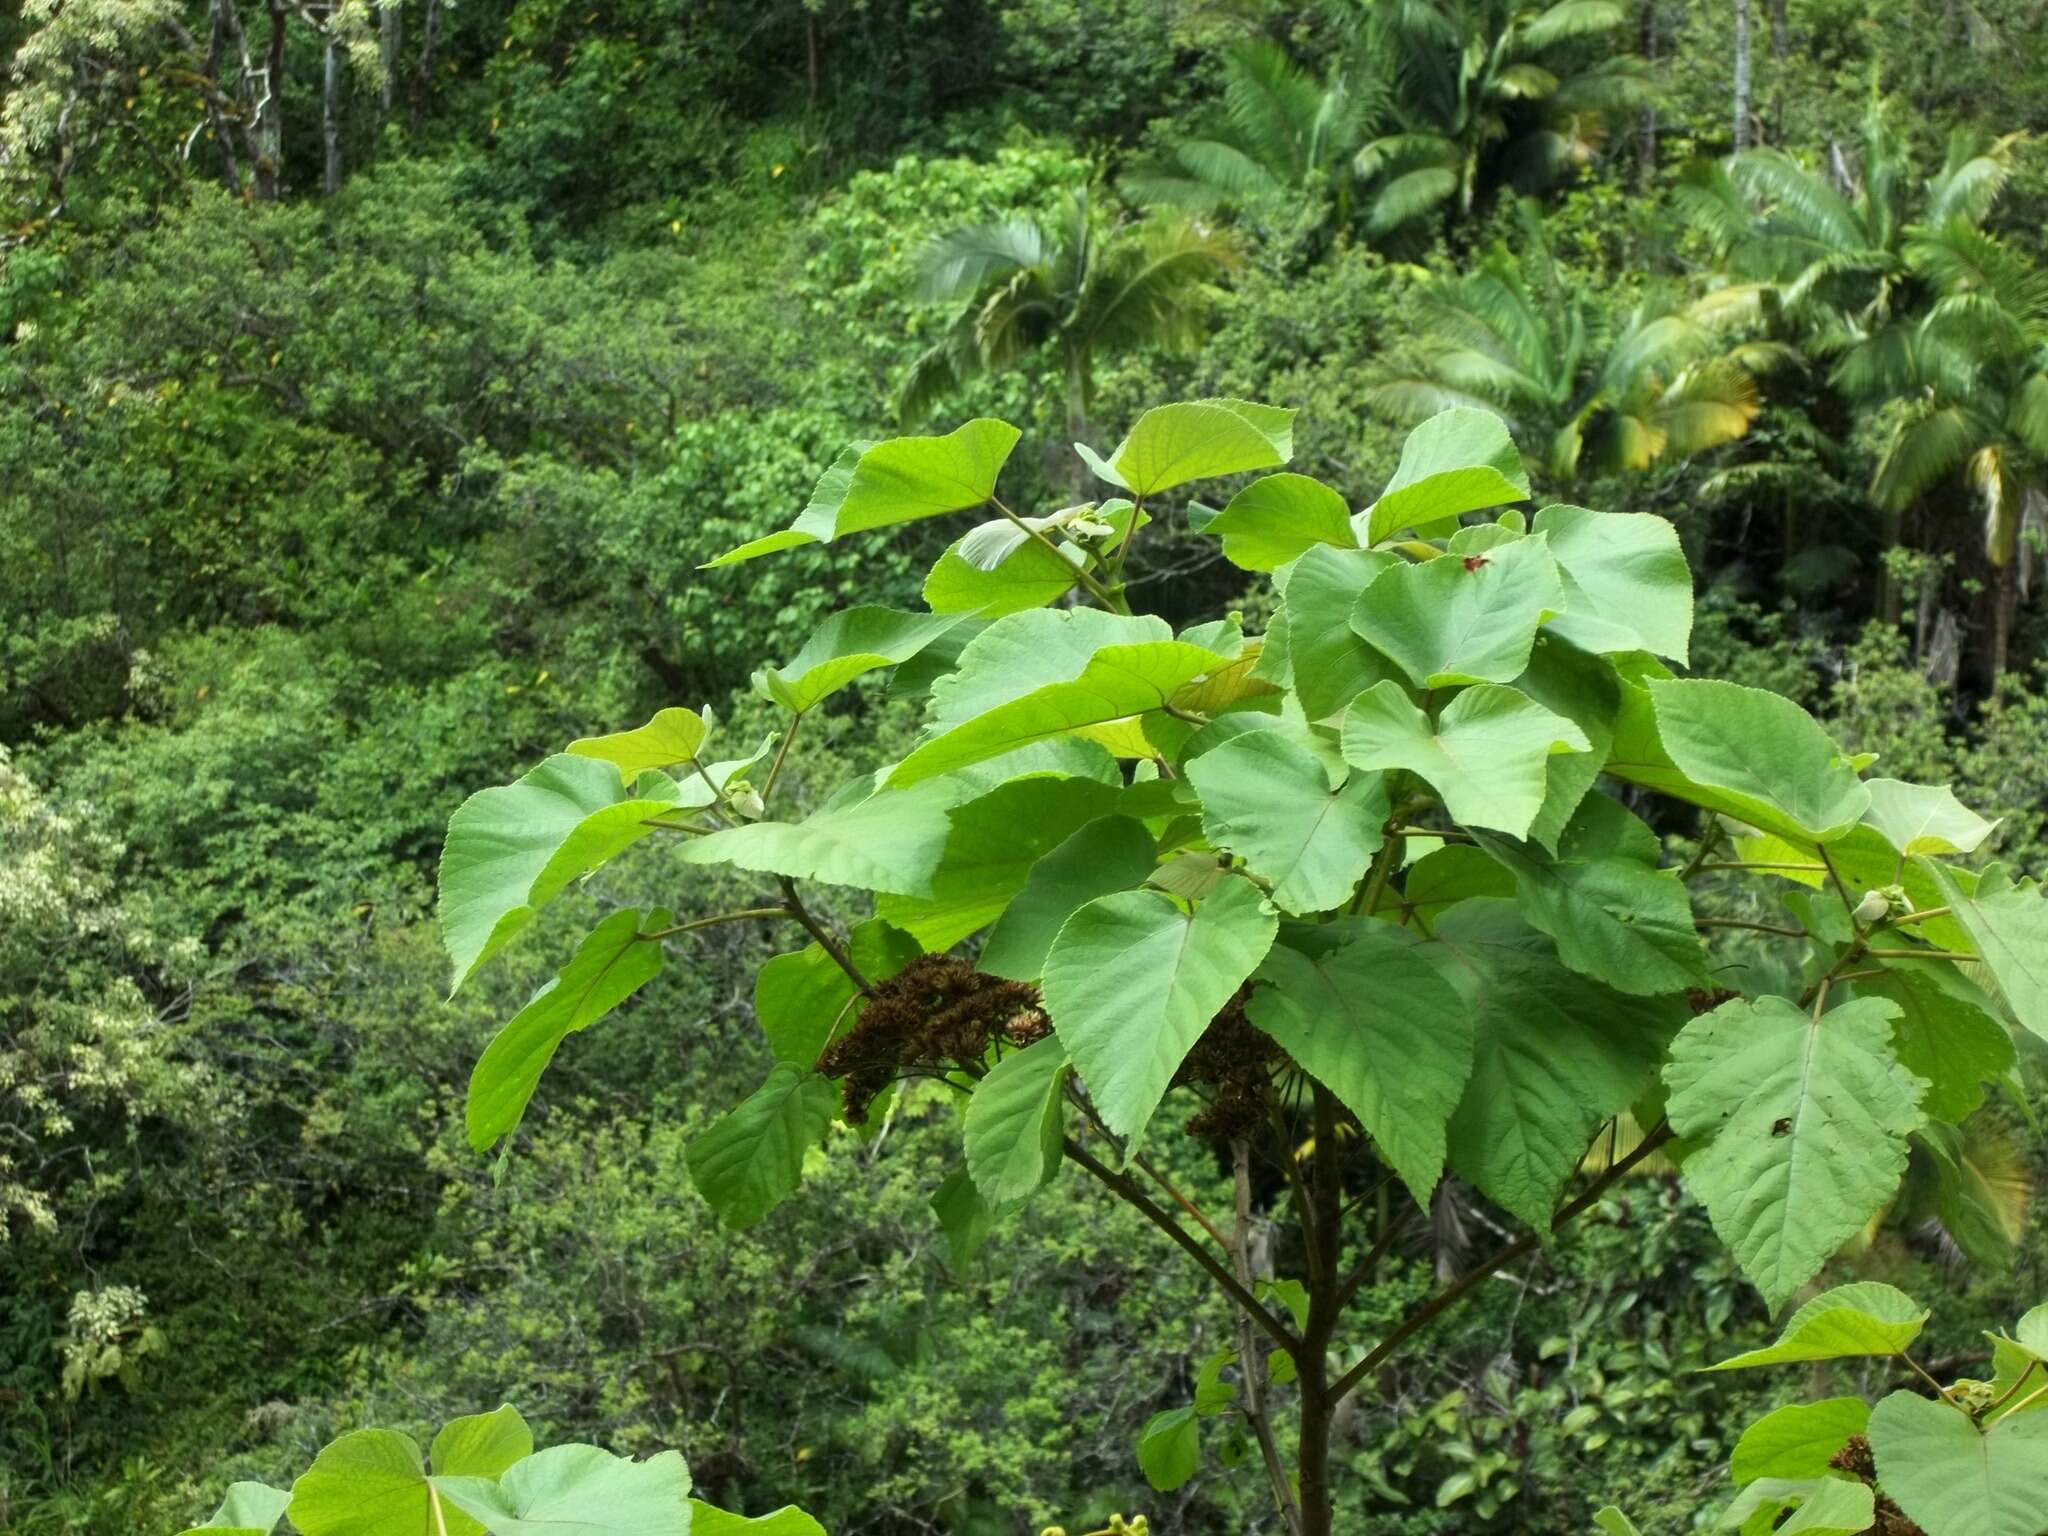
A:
[(1781, 45), (423, 77), (1646, 119), (2005, 605), (1741, 75), (269, 110), (390, 43), (330, 113)]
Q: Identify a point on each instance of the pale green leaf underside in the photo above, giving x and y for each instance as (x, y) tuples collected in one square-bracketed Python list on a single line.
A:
[(1269, 800), (247, 1507), (2010, 930), (1921, 819), (1485, 755), (1133, 980), (1030, 577), (707, 1520), (579, 1490), (1446, 622), (1458, 461), (1627, 586), (1953, 1479), (1801, 1127)]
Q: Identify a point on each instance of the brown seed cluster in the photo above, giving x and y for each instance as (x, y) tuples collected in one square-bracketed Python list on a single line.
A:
[(1707, 999), (1235, 1059), (937, 1013), (1855, 1459)]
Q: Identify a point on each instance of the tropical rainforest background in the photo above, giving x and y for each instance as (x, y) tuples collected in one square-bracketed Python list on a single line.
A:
[(376, 374)]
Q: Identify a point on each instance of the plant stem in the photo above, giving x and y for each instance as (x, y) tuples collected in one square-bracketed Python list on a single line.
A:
[(1183, 1201), (1096, 589), (775, 768), (717, 917), (1251, 1360), (1368, 898), (1919, 954), (1919, 1370), (1390, 1232), (823, 935), (1736, 922), (1804, 869), (1129, 1191), (1924, 915), (2023, 1404), (2018, 1382), (1444, 1300)]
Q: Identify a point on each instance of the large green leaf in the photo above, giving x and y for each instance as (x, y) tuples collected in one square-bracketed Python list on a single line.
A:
[(1473, 620), (1800, 1127), (580, 1490), (1458, 461), (1030, 576), (1554, 1056), (1170, 1448), (1132, 981), (751, 1159), (803, 1000), (1944, 1033), (1954, 1479), (707, 1520), (1374, 1023), (616, 959), (1743, 752), (1271, 802), (850, 644), (1626, 584), (1582, 688), (992, 844), (513, 849), (1330, 662), (1114, 853), (370, 1482), (1022, 652), (1120, 684), (672, 736), (964, 1217), (482, 1444), (250, 1509), (1274, 520), (875, 485), (1802, 1506), (1865, 862), (1862, 1319), (1970, 1192), (2009, 928), (1485, 755), (1014, 1124), (1922, 819), (889, 841), (1195, 440), (1612, 1522), (1797, 1440), (1444, 877), (1613, 918)]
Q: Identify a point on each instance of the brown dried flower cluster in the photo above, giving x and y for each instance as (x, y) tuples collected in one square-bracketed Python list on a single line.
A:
[(937, 1014)]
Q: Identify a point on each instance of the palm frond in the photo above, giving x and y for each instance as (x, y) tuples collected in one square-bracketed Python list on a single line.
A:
[(959, 262), (1930, 444), (1799, 196), (1569, 19), (1707, 199), (1154, 290), (1973, 178), (1411, 400), (1410, 196), (1711, 403)]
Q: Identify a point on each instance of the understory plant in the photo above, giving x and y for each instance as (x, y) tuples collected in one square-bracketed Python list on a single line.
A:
[(1371, 901), (1969, 1460)]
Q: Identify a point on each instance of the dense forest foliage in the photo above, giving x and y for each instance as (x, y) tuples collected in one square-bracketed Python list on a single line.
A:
[(378, 375)]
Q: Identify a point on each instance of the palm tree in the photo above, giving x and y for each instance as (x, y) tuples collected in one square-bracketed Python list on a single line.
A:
[(1968, 386), (1283, 139), (1080, 289), (1605, 396), (1929, 325), (1488, 93)]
